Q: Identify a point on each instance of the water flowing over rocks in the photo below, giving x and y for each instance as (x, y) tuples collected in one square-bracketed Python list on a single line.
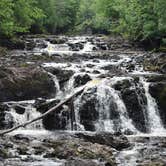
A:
[(135, 100), (115, 119)]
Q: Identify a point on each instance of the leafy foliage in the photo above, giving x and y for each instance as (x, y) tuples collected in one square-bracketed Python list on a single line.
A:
[(60, 15), (17, 16)]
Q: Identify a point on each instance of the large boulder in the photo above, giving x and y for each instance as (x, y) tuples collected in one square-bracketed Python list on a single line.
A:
[(81, 79), (87, 110), (158, 91), (57, 120), (25, 83)]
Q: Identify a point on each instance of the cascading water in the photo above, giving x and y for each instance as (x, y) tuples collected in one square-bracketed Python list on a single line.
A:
[(107, 108), (155, 123), (30, 113), (107, 97)]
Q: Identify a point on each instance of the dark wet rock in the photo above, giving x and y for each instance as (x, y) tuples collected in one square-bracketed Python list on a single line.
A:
[(76, 46), (57, 120), (134, 98), (30, 44), (158, 91), (96, 72), (102, 46), (21, 137), (131, 67), (19, 109), (156, 78), (23, 150), (118, 142), (6, 119), (62, 75), (88, 112), (90, 65), (42, 105), (81, 80), (57, 40), (25, 83)]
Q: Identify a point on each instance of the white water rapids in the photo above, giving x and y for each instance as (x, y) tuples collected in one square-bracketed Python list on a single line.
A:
[(108, 99)]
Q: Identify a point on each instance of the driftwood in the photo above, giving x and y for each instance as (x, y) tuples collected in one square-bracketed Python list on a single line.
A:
[(77, 92)]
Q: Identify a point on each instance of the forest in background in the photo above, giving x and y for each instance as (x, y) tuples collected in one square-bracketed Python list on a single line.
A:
[(137, 20)]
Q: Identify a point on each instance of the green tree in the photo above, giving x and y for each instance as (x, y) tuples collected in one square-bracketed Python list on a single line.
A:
[(17, 16), (26, 13), (60, 15), (6, 17)]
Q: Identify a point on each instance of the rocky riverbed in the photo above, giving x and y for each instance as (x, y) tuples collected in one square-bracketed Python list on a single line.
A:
[(119, 119)]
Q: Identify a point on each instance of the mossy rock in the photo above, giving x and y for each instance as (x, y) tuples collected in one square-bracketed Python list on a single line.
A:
[(4, 153)]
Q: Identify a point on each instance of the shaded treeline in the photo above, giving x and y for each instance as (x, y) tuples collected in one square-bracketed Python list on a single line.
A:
[(137, 20)]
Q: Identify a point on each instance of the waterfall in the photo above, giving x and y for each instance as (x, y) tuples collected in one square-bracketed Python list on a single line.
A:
[(108, 101), (155, 124), (112, 111)]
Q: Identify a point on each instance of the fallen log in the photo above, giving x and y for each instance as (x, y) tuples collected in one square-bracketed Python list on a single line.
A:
[(77, 92)]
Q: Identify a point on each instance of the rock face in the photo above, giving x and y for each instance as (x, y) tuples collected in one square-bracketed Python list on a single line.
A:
[(57, 120), (158, 91), (76, 46), (135, 101), (88, 112), (81, 80), (62, 75), (57, 40), (6, 119), (24, 83), (156, 63)]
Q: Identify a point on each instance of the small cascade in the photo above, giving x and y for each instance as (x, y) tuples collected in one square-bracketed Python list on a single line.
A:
[(88, 47), (77, 104), (56, 82), (155, 124), (103, 106), (29, 114), (70, 85), (56, 48), (125, 121)]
